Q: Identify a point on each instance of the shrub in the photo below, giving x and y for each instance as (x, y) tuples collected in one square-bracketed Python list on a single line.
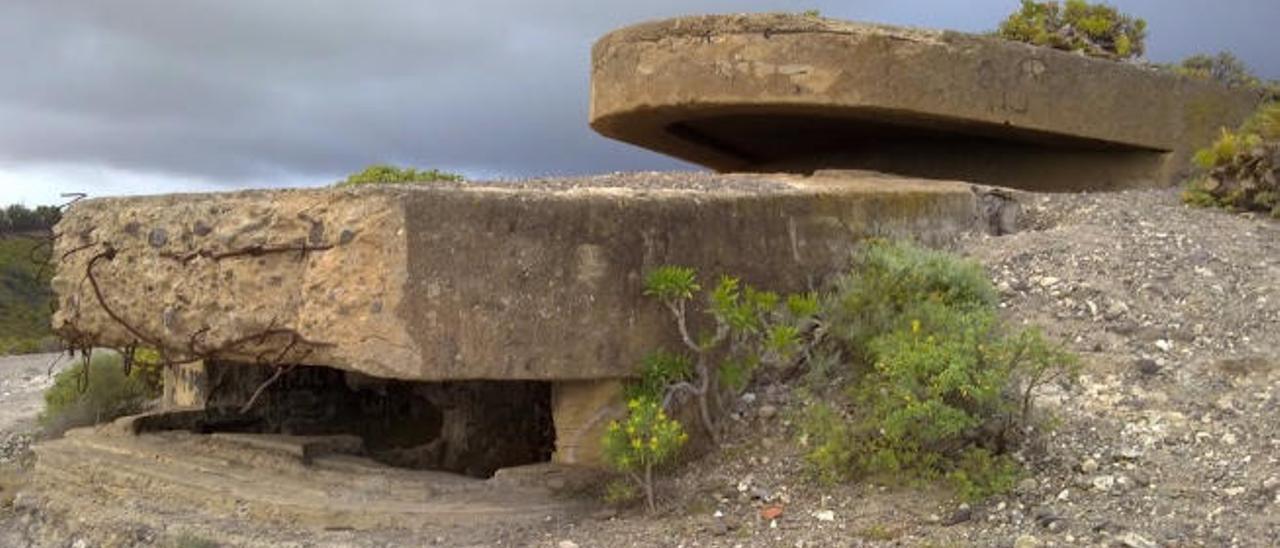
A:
[(1241, 168), (86, 394), (645, 440), (940, 390), (1224, 68), (1097, 30), (751, 328), (887, 278), (386, 174)]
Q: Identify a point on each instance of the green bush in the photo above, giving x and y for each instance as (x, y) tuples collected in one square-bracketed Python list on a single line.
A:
[(1224, 68), (386, 174), (1097, 30), (645, 440), (751, 328), (1241, 169), (940, 389), (102, 394), (887, 278)]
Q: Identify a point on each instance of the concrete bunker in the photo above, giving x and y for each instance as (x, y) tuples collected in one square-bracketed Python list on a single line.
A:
[(782, 92), (477, 328), (497, 321)]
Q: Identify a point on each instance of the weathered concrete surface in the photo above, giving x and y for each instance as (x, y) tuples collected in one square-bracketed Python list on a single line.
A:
[(540, 280), (583, 411), (789, 92), (100, 475)]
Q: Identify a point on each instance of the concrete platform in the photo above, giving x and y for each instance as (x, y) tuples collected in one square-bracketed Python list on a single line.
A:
[(103, 475), (796, 93), (538, 280)]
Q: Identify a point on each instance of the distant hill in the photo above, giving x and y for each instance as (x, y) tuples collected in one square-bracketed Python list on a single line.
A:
[(25, 296)]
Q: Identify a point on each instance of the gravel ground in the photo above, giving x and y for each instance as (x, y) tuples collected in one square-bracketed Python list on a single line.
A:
[(1169, 438), (23, 380)]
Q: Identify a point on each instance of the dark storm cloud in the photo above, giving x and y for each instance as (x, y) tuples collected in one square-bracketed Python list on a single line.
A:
[(254, 92)]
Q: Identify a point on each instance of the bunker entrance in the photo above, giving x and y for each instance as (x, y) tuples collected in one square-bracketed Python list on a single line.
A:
[(468, 427)]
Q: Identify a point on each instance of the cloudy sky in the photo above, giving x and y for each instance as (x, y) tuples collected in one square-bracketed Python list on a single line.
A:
[(146, 96)]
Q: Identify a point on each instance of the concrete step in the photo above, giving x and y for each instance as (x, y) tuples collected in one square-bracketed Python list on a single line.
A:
[(242, 476)]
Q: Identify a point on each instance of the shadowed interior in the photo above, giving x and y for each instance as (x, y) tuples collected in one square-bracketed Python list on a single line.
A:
[(802, 142), (468, 427)]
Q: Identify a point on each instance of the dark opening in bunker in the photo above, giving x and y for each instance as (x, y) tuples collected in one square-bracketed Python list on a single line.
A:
[(893, 142), (467, 427)]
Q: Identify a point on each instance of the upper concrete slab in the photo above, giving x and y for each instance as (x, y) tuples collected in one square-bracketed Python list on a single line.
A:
[(530, 280), (769, 92)]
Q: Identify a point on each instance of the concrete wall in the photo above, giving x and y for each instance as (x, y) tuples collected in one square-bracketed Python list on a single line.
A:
[(536, 281)]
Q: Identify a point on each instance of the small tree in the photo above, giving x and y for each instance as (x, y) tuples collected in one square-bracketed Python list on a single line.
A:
[(752, 328), (1097, 30), (647, 439)]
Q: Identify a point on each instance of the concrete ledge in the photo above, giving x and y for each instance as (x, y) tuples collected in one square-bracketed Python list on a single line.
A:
[(788, 92), (537, 280)]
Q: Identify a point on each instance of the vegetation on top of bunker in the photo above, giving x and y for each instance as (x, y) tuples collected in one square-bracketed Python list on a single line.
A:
[(1241, 169), (379, 174), (1097, 30)]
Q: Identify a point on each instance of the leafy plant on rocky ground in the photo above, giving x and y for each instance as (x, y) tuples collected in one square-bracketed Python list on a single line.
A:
[(751, 328), (1241, 169), (937, 387), (97, 389), (1097, 30), (387, 174), (647, 439)]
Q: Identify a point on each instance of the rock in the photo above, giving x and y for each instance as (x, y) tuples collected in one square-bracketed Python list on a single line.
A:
[(761, 494), (825, 515), (770, 513), (1164, 345), (1049, 281), (567, 544), (961, 515), (1116, 309), (749, 398), (1104, 483), (1129, 454), (767, 411), (1026, 541), (1089, 466), (1134, 540), (1028, 485), (1146, 366), (719, 528), (1046, 516)]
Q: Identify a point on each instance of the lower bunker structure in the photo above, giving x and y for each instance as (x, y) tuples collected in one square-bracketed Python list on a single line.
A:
[(459, 327)]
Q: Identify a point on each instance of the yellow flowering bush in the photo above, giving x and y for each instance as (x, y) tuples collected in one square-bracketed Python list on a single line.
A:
[(646, 439)]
